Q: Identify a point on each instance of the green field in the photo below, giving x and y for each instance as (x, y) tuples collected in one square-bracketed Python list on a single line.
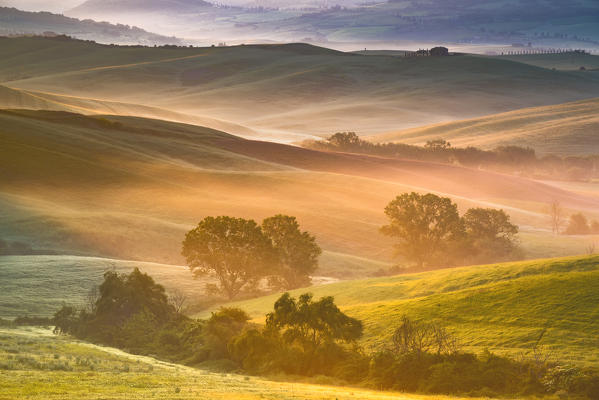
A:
[(34, 364), (502, 307), (40, 285)]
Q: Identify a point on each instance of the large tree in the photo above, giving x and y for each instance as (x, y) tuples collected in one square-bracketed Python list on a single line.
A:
[(297, 252), (234, 250), (426, 226), (491, 235)]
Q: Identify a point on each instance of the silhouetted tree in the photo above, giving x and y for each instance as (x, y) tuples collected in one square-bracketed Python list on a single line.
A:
[(234, 250), (297, 252), (426, 226), (124, 295)]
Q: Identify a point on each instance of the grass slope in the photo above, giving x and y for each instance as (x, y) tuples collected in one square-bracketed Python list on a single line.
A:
[(129, 188), (503, 307), (37, 365), (277, 89), (40, 285), (568, 129)]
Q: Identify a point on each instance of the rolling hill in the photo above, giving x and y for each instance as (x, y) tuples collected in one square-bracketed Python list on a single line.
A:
[(565, 129), (505, 307), (565, 62), (17, 22), (286, 92), (129, 188)]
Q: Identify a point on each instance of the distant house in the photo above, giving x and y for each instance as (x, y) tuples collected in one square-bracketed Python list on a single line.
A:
[(439, 51), (50, 34)]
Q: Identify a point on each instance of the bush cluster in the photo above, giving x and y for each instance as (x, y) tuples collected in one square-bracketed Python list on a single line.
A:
[(312, 338)]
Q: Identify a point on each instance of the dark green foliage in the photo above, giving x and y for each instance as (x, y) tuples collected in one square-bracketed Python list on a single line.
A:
[(297, 252), (131, 311), (221, 328), (301, 337), (312, 324), (122, 296)]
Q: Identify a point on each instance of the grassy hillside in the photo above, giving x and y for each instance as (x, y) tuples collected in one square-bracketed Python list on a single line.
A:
[(567, 129), (37, 365), (277, 89), (503, 307), (39, 285), (129, 188)]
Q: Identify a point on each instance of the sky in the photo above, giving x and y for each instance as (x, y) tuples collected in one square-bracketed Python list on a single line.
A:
[(56, 6)]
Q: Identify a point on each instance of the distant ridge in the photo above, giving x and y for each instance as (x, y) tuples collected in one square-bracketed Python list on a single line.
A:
[(125, 6), (17, 22)]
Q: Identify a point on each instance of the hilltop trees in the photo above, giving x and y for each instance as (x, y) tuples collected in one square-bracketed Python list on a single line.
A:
[(240, 253), (430, 231)]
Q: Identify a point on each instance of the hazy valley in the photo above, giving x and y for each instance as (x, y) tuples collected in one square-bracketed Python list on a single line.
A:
[(185, 218)]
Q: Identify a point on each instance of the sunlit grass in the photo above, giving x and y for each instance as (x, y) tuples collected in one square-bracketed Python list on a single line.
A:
[(35, 364), (504, 307)]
